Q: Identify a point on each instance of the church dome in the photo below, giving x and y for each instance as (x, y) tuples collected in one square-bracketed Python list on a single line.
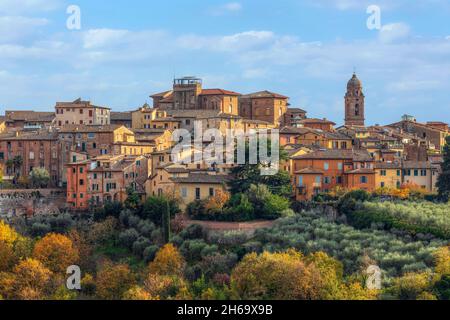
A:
[(354, 82)]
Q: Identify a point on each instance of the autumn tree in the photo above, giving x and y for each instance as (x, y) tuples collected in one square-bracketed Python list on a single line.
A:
[(56, 252), (168, 261), (137, 293), (113, 281), (39, 178), (278, 276), (218, 201), (32, 280)]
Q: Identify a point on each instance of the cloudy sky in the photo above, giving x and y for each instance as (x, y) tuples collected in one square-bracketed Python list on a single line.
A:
[(306, 49)]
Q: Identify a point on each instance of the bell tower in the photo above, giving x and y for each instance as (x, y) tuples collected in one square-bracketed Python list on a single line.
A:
[(354, 103)]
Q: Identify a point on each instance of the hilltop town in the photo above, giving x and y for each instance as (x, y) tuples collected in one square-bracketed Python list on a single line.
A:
[(96, 154)]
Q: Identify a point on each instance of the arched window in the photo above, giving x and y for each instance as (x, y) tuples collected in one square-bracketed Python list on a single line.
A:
[(357, 110)]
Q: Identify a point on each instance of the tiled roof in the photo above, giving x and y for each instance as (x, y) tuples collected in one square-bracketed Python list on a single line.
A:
[(124, 116), (78, 103), (322, 121), (26, 115), (203, 178), (387, 165), (264, 94), (416, 164), (207, 92), (361, 171), (355, 155), (295, 110), (193, 113), (162, 94), (71, 128), (294, 130), (309, 171), (29, 136)]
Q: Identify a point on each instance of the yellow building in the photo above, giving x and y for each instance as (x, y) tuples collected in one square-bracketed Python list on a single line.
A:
[(2, 124), (185, 185), (388, 175)]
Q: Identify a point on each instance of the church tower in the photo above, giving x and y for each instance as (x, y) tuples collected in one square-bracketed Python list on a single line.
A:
[(354, 103)]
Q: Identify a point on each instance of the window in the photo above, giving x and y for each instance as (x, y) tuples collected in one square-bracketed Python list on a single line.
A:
[(383, 184), (81, 169), (2, 155), (399, 173), (416, 173), (300, 181), (383, 173), (339, 180), (340, 166), (326, 166), (423, 173), (81, 111), (197, 193), (31, 155), (95, 176), (91, 135), (74, 159), (327, 180), (184, 192), (363, 179), (318, 179), (81, 182), (211, 192), (81, 195), (74, 170)]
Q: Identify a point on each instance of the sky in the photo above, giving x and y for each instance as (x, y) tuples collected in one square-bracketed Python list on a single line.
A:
[(305, 49)]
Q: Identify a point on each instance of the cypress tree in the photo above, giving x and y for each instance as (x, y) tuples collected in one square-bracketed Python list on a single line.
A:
[(444, 178), (166, 223)]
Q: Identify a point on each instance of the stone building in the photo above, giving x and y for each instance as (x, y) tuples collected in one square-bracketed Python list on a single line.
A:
[(188, 94), (81, 112), (264, 106), (28, 120), (354, 103), (21, 152)]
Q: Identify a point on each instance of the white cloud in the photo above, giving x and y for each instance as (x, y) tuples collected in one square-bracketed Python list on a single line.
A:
[(227, 8), (394, 31), (98, 38), (14, 7), (14, 28)]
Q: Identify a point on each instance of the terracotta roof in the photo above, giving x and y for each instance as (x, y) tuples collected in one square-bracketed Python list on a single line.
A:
[(387, 165), (295, 110), (78, 103), (71, 128), (162, 94), (193, 113), (312, 120), (207, 92), (264, 94), (26, 115), (309, 171), (295, 130), (203, 178), (416, 164), (29, 136), (355, 155), (361, 171), (124, 116)]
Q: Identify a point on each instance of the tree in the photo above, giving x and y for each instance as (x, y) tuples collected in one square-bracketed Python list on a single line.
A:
[(218, 201), (277, 276), (17, 165), (137, 293), (8, 234), (250, 174), (39, 178), (31, 280), (166, 223), (133, 200), (154, 206), (56, 252), (168, 261), (113, 281), (443, 183), (7, 258)]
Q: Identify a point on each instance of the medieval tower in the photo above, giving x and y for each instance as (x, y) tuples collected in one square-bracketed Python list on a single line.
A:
[(354, 103)]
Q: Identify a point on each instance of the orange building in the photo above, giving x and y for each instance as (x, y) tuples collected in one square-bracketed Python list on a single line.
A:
[(105, 178), (321, 171), (321, 124)]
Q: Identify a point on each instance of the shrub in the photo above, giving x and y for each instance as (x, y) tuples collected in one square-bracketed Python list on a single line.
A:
[(155, 206), (140, 245), (128, 237)]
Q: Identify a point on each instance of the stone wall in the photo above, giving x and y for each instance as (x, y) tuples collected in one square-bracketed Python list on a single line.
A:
[(31, 202)]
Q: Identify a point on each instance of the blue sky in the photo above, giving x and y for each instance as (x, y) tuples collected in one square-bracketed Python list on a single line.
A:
[(127, 50)]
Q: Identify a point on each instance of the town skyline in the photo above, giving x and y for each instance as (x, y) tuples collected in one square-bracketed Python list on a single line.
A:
[(121, 57)]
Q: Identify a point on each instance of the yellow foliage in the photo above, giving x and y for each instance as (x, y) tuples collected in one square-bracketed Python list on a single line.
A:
[(442, 261), (113, 281), (218, 201), (7, 234), (137, 293), (31, 280), (166, 287), (56, 252), (411, 285), (168, 261)]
